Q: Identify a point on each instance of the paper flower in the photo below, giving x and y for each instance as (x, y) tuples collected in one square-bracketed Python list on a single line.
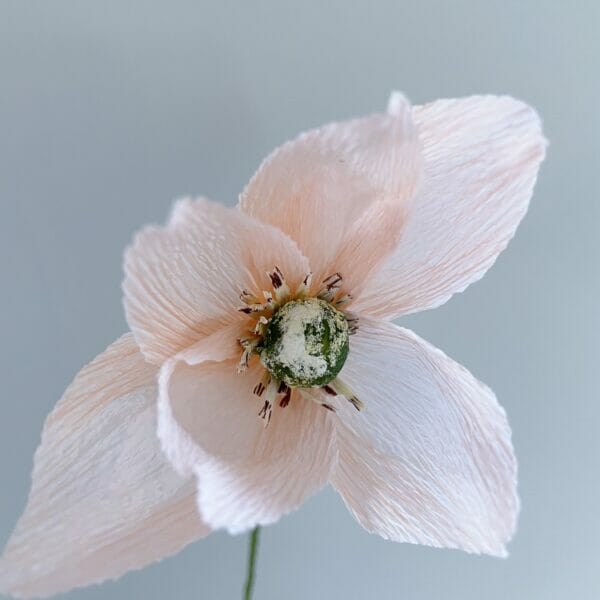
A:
[(241, 334)]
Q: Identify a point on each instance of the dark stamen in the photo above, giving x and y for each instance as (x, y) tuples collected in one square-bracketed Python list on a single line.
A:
[(286, 398), (276, 278), (358, 405), (266, 411), (332, 280)]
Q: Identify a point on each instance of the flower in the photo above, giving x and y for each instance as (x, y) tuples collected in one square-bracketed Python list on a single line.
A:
[(262, 351)]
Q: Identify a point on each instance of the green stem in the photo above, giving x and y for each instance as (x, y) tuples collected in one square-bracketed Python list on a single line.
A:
[(252, 552)]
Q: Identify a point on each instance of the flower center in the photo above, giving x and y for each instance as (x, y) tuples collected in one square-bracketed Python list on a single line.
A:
[(301, 338), (306, 343)]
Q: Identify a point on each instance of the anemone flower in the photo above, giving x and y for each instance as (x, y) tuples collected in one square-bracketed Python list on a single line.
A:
[(263, 362)]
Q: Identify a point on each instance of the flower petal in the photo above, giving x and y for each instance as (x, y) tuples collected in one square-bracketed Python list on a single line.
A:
[(104, 499), (219, 345), (248, 474), (429, 460), (182, 282), (481, 158), (320, 187)]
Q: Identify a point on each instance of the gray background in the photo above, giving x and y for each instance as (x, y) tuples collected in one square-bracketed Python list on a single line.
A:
[(108, 110)]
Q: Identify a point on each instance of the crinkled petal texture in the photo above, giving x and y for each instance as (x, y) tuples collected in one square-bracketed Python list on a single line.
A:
[(429, 460), (104, 499), (481, 159), (247, 474), (342, 191), (182, 282)]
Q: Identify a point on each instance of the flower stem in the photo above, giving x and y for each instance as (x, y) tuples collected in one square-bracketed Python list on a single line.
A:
[(252, 553)]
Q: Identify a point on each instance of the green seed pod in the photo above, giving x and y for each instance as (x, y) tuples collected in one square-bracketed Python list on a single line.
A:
[(306, 343)]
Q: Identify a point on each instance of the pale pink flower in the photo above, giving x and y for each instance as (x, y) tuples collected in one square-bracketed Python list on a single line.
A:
[(391, 214)]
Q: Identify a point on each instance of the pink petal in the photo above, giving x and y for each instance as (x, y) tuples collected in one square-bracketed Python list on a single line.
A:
[(248, 474), (343, 185), (104, 500), (182, 282), (482, 155), (220, 345), (430, 459)]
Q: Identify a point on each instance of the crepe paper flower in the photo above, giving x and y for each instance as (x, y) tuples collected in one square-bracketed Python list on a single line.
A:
[(263, 363)]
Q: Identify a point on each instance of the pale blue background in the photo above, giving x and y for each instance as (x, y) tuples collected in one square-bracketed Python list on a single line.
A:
[(108, 110)]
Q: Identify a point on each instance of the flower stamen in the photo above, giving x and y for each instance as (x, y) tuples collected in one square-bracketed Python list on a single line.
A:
[(248, 297), (312, 394), (287, 394), (330, 287), (304, 288), (280, 287), (252, 308), (248, 349), (338, 387), (266, 412), (352, 322), (261, 386), (343, 300), (259, 328)]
